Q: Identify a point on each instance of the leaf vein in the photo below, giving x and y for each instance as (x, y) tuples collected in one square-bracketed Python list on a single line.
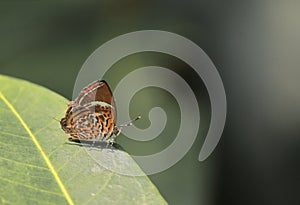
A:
[(14, 135), (41, 129), (46, 159), (63, 165), (24, 164), (101, 188), (31, 187)]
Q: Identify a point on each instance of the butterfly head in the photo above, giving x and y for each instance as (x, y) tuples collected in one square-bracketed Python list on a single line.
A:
[(64, 125)]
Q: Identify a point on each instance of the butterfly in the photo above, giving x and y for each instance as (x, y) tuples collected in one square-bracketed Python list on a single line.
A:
[(92, 115)]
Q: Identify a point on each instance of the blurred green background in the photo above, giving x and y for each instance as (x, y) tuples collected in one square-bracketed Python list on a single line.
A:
[(254, 45)]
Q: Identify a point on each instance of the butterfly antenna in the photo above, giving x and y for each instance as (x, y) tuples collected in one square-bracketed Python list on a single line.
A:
[(127, 124), (55, 119)]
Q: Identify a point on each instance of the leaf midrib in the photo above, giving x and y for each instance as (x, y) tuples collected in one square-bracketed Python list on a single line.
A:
[(39, 148)]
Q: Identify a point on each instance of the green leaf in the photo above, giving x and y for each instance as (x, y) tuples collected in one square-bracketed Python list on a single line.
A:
[(39, 166)]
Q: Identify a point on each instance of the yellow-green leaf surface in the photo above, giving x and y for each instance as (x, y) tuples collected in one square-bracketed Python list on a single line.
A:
[(39, 166)]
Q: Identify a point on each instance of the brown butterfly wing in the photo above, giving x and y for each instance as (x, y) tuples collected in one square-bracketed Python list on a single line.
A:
[(92, 122), (96, 91), (92, 115)]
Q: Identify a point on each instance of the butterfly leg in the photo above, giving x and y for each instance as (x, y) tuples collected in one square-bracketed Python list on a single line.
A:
[(111, 141), (94, 140)]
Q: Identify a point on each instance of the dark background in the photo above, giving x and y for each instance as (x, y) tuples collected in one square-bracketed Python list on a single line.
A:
[(254, 45)]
